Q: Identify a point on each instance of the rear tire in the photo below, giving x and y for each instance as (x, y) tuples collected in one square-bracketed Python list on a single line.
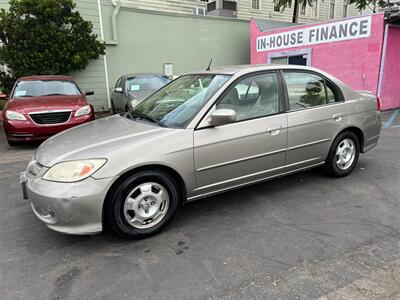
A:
[(113, 111), (343, 155), (142, 204)]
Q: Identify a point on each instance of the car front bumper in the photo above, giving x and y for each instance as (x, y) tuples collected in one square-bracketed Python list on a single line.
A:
[(27, 131), (73, 208)]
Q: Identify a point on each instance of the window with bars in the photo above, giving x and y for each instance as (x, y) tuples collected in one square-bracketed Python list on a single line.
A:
[(345, 8), (302, 10), (310, 11), (276, 2), (331, 9), (314, 9), (255, 4)]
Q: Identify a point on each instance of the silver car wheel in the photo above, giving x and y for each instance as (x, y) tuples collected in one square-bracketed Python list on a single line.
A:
[(345, 154), (146, 205)]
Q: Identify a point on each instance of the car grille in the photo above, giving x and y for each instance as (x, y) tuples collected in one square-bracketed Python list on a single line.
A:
[(50, 117)]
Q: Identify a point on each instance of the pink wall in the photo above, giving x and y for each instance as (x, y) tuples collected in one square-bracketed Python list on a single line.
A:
[(355, 62), (390, 94)]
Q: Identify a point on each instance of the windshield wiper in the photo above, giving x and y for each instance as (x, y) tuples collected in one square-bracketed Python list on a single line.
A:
[(55, 94), (147, 117)]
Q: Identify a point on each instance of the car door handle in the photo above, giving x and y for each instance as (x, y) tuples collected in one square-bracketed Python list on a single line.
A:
[(274, 131), (337, 117)]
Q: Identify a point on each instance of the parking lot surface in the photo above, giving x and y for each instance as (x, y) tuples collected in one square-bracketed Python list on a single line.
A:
[(304, 236)]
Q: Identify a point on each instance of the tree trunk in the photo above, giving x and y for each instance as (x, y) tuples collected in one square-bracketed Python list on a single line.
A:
[(295, 18)]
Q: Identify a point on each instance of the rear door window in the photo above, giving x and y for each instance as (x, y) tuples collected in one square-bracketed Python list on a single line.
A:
[(304, 90), (307, 90)]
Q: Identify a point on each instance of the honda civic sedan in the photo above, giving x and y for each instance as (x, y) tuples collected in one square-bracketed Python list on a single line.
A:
[(41, 106), (240, 126)]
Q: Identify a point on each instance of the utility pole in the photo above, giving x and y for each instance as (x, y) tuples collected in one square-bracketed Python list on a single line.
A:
[(295, 18)]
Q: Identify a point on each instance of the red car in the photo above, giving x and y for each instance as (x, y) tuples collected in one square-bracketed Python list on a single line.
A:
[(40, 106)]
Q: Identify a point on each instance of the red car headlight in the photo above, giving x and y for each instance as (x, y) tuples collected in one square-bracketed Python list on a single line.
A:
[(14, 116), (83, 111)]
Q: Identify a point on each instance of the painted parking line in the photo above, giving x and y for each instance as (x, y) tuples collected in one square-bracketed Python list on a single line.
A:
[(392, 118)]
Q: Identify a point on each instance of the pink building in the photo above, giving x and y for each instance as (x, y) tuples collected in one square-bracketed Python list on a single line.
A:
[(363, 52)]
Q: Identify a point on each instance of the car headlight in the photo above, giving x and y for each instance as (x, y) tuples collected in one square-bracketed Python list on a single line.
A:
[(134, 103), (72, 171), (13, 115), (83, 111)]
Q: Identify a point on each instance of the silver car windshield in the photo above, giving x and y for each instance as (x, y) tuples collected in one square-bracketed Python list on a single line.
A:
[(176, 104)]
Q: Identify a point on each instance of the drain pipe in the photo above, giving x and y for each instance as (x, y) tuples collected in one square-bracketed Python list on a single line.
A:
[(105, 55), (383, 61), (117, 6)]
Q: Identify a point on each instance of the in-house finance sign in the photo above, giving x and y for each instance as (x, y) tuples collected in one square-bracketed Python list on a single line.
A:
[(326, 33)]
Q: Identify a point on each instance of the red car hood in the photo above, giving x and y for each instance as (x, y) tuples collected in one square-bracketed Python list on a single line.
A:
[(34, 104)]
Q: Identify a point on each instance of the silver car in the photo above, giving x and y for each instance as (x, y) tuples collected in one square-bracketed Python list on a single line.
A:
[(132, 89), (204, 133)]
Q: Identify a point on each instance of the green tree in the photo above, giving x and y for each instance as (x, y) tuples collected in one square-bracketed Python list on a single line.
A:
[(44, 37), (369, 4), (282, 4)]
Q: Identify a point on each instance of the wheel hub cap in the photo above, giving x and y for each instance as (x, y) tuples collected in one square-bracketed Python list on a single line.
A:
[(146, 205), (345, 154)]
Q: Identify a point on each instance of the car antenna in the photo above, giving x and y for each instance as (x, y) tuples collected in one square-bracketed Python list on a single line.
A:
[(209, 65)]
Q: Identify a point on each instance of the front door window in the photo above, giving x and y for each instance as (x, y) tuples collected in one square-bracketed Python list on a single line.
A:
[(252, 97)]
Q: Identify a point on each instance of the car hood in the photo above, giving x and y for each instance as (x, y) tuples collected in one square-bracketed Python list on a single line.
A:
[(34, 104), (95, 139)]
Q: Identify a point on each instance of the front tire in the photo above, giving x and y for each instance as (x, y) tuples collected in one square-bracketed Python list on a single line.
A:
[(343, 155), (12, 143), (142, 204)]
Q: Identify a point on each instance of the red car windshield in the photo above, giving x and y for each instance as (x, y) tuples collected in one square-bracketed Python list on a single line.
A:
[(36, 88)]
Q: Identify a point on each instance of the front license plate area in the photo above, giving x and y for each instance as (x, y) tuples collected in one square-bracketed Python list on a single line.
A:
[(23, 178)]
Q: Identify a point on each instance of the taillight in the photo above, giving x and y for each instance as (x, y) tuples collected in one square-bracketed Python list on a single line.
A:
[(378, 103)]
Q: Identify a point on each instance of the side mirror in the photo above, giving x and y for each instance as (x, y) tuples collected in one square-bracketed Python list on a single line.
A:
[(3, 97), (223, 116), (89, 92), (118, 90)]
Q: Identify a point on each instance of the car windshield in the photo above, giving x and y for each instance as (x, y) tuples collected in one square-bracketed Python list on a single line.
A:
[(139, 83), (35, 88), (176, 104)]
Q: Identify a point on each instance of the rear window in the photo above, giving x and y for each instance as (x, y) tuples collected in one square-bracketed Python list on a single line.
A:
[(35, 88)]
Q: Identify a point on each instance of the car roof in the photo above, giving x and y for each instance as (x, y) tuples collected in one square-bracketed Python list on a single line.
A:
[(231, 70), (46, 77), (143, 74)]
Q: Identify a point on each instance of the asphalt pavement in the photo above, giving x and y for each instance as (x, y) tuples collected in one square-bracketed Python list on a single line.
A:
[(305, 236)]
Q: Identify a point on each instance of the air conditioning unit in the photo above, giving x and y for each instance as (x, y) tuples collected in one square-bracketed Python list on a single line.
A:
[(202, 11)]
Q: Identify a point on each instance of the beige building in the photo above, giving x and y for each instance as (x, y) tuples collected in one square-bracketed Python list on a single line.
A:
[(245, 9), (169, 6), (320, 11)]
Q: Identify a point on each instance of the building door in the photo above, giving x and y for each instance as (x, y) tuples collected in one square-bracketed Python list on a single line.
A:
[(388, 89)]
